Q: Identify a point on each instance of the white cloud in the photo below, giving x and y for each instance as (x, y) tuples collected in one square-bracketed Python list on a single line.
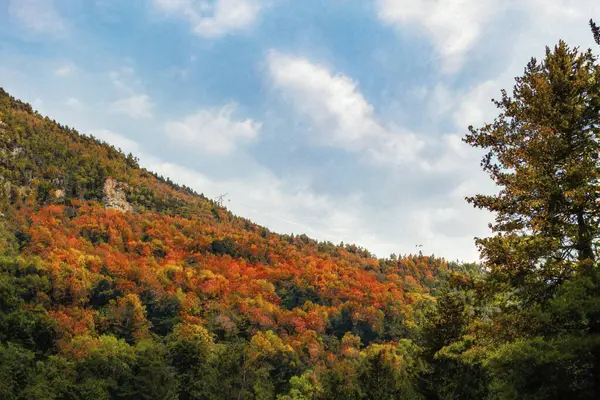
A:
[(216, 18), (451, 154), (335, 105), (137, 106), (283, 206), (125, 80), (213, 131), (473, 105), (65, 70), (132, 99), (73, 102), (342, 117), (118, 141), (37, 16), (453, 25)]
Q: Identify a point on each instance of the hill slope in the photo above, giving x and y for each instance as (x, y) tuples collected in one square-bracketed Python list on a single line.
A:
[(120, 284)]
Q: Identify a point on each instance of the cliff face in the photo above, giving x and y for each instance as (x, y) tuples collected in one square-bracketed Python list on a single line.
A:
[(114, 196)]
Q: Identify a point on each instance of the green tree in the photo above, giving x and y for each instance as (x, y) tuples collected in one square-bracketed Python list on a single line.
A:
[(388, 372), (457, 306), (542, 151), (106, 372), (234, 376), (191, 350), (271, 364), (16, 370), (128, 318), (56, 378), (303, 387), (153, 376), (540, 332)]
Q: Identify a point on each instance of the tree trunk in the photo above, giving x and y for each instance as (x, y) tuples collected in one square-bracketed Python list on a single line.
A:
[(584, 243)]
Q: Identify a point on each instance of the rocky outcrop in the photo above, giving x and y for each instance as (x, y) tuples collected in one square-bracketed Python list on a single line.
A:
[(114, 196), (58, 194), (3, 127)]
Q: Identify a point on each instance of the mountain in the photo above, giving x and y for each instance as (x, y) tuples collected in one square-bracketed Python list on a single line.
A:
[(118, 283)]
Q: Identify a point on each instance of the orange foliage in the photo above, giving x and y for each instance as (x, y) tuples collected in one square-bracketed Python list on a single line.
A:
[(172, 257)]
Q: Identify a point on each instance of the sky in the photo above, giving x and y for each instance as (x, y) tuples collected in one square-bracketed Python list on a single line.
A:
[(340, 119)]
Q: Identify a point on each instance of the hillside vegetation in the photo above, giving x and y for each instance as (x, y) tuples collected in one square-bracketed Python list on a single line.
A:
[(101, 298)]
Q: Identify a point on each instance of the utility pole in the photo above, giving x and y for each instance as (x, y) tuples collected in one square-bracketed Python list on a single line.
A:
[(219, 199)]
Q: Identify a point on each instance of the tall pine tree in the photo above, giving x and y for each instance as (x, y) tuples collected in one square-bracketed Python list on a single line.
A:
[(542, 151)]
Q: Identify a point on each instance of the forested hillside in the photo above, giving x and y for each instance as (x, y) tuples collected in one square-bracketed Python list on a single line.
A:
[(119, 284)]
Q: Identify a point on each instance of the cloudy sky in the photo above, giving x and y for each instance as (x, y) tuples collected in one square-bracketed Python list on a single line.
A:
[(340, 119)]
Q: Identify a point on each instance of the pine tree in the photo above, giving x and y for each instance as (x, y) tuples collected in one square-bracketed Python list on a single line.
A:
[(542, 151)]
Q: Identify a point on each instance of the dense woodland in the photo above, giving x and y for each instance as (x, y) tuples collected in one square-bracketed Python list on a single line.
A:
[(180, 299)]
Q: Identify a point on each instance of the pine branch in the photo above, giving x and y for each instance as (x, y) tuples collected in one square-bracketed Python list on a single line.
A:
[(595, 31)]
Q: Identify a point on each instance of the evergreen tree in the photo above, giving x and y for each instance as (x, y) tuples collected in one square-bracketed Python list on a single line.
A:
[(543, 154), (543, 340)]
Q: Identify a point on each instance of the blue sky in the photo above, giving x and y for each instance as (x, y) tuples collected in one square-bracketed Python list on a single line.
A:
[(340, 119)]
